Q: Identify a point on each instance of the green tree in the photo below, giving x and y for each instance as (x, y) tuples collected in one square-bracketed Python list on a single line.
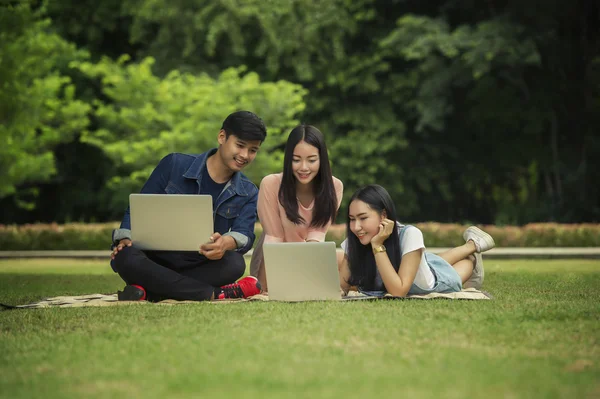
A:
[(464, 111), (38, 107), (145, 117), (330, 48), (503, 99)]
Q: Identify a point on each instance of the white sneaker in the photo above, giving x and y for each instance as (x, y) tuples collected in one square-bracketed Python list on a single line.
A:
[(476, 279), (483, 241)]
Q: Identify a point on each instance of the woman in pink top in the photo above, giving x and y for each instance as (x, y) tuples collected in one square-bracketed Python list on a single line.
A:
[(287, 208)]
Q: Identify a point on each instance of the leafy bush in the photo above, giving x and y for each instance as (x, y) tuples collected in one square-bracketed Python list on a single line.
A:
[(38, 109), (146, 117), (77, 236)]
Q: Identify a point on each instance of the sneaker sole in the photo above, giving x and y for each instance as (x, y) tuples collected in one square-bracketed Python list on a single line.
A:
[(476, 231)]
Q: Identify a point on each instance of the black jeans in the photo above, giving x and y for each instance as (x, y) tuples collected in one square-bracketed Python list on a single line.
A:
[(177, 275)]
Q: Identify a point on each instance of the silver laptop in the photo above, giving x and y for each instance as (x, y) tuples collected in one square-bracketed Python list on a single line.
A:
[(302, 271), (175, 222)]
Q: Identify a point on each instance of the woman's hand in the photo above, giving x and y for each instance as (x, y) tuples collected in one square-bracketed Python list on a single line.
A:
[(386, 227)]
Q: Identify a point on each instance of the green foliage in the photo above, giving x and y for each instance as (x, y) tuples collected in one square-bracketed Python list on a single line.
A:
[(482, 99), (447, 59), (75, 236), (38, 105), (283, 35), (78, 236), (146, 117), (463, 113)]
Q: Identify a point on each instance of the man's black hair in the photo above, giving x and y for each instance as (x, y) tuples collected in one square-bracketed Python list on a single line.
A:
[(245, 125)]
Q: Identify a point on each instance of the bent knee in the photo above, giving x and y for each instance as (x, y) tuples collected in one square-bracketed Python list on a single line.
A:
[(235, 263), (124, 258)]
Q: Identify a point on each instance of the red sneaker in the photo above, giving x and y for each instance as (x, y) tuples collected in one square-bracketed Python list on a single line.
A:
[(132, 293), (243, 288)]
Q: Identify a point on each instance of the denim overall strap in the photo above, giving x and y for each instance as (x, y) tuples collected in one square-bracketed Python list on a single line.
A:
[(402, 229)]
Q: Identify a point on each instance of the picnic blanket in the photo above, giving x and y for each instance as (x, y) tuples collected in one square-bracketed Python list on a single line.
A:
[(112, 300)]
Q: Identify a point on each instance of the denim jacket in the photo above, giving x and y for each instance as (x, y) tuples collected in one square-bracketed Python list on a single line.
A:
[(235, 211)]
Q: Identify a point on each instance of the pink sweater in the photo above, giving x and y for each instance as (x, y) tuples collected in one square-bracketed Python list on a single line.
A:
[(277, 227)]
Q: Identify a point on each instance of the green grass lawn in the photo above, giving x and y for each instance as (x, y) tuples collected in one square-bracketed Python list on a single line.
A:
[(539, 337)]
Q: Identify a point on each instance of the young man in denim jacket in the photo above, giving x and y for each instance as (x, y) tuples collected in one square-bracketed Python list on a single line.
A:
[(211, 273)]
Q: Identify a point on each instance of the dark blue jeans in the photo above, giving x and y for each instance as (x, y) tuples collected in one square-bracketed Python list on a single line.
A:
[(177, 275)]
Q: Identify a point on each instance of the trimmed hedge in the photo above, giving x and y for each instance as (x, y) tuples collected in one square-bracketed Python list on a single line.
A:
[(73, 236), (531, 235), (77, 236)]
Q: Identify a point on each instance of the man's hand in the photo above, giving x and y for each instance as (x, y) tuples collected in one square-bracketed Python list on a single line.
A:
[(125, 242), (216, 247)]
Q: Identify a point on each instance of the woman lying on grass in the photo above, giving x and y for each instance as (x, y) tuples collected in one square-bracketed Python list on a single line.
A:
[(382, 255)]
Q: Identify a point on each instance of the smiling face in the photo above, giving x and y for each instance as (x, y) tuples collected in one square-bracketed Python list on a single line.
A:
[(305, 162), (364, 221), (236, 153)]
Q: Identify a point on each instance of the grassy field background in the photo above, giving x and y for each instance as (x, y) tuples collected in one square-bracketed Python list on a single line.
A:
[(539, 337)]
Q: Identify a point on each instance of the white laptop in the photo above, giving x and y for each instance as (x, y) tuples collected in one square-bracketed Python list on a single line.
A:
[(302, 271), (174, 222)]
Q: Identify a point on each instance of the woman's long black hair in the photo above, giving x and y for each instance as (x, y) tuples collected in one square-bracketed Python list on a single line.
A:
[(360, 257), (325, 208)]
